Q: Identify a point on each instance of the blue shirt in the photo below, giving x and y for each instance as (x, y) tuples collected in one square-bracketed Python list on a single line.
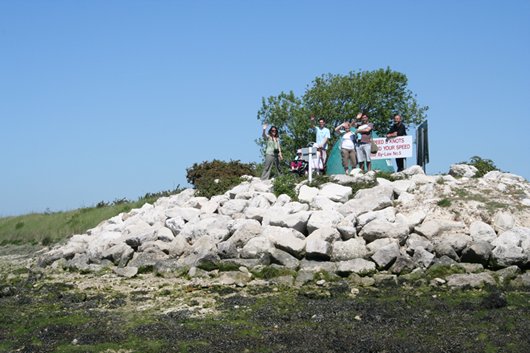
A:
[(321, 135)]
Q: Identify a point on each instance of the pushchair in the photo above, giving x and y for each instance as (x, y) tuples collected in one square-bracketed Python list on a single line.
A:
[(298, 165), (301, 167)]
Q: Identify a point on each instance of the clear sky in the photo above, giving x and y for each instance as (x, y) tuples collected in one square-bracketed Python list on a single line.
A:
[(106, 99)]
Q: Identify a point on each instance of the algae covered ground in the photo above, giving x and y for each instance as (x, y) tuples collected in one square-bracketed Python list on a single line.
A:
[(57, 311)]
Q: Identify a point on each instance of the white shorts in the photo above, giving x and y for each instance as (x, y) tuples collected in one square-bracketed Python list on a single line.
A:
[(363, 153)]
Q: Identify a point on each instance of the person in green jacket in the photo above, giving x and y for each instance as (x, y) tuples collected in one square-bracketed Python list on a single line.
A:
[(273, 152)]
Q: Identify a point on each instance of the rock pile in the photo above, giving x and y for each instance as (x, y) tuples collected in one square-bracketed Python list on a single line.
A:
[(392, 229)]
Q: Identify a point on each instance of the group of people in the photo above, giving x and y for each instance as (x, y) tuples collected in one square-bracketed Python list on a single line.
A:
[(355, 143), (356, 139)]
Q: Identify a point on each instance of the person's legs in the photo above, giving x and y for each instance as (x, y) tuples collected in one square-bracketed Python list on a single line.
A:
[(344, 154), (277, 164), (267, 166), (400, 164), (367, 158), (361, 155), (353, 158), (324, 156)]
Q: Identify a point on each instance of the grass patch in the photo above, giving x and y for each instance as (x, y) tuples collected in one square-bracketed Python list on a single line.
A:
[(361, 185), (441, 271), (444, 203), (386, 175), (53, 227), (269, 272)]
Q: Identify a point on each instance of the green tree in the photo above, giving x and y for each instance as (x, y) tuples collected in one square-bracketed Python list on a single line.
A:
[(336, 98)]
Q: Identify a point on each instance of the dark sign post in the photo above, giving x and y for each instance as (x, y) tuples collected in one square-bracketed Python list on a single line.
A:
[(422, 144)]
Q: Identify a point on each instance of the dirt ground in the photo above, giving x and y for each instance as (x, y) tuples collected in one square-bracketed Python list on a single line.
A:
[(56, 311)]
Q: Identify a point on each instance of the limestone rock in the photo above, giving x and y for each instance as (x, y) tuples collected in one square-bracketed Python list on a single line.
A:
[(463, 170), (385, 256), (286, 239), (296, 221), (473, 280), (482, 231), (335, 192), (507, 255), (322, 219), (232, 207), (359, 206), (307, 193), (457, 241), (359, 266), (387, 214), (383, 229), (422, 257), (503, 221), (127, 272), (477, 252), (285, 259), (256, 247), (402, 264), (349, 249)]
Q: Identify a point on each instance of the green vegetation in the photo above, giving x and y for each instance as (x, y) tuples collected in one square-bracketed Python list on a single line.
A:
[(489, 204), (269, 272), (444, 203), (53, 227), (319, 180), (386, 175), (362, 185), (285, 184), (483, 165), (336, 98), (217, 177), (54, 317)]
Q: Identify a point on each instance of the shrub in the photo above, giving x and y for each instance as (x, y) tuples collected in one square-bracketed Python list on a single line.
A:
[(285, 184), (319, 180), (483, 165), (216, 177)]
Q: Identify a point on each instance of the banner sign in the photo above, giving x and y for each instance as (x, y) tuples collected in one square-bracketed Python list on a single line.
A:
[(395, 147)]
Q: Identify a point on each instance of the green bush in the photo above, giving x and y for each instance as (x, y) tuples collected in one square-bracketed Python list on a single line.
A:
[(217, 177), (285, 184), (483, 165)]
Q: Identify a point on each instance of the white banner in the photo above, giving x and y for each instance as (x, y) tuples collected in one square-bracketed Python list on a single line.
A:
[(395, 147)]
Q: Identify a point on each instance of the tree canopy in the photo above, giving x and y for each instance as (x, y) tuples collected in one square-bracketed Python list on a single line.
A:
[(337, 98)]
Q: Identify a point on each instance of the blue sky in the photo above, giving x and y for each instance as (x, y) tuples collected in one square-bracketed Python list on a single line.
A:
[(101, 100)]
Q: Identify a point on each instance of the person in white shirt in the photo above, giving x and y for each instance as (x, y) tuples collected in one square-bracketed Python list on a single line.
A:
[(347, 145)]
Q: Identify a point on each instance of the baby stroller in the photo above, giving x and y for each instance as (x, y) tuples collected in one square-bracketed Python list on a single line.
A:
[(298, 165), (301, 167)]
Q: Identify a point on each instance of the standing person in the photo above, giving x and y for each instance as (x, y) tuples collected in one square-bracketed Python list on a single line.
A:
[(347, 145), (363, 148), (322, 137), (398, 129), (273, 152)]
